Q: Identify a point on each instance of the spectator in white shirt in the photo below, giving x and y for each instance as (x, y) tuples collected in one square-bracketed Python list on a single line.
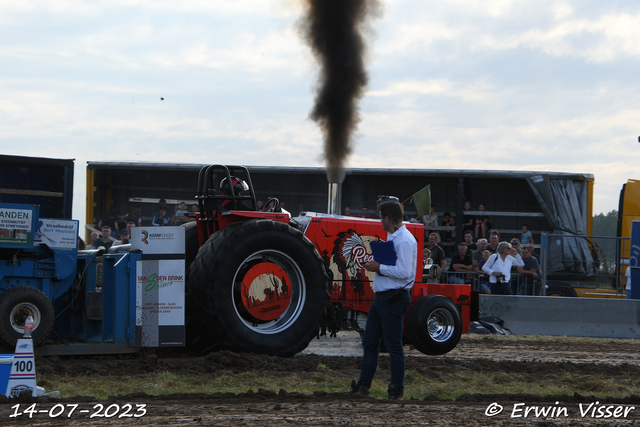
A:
[(498, 267)]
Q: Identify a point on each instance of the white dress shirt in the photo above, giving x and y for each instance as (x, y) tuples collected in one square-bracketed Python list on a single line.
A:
[(496, 263), (396, 276)]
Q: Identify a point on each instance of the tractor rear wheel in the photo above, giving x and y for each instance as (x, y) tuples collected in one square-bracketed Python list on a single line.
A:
[(15, 306), (259, 285), (434, 325)]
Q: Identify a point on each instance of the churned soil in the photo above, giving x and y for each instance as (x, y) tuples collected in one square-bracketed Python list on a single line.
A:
[(545, 359)]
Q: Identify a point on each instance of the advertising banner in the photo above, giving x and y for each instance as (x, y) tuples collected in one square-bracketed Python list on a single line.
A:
[(160, 285), (57, 233), (16, 225), (158, 240), (160, 302)]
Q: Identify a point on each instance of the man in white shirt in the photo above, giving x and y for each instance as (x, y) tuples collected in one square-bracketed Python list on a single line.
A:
[(498, 267), (385, 320)]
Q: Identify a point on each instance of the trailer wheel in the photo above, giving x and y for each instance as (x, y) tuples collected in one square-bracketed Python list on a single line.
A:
[(15, 306), (561, 291), (434, 325), (259, 285)]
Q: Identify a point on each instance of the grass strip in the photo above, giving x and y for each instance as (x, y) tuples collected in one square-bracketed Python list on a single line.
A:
[(417, 385)]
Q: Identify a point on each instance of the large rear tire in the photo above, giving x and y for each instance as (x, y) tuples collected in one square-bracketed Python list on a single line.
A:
[(259, 285), (434, 325), (15, 306)]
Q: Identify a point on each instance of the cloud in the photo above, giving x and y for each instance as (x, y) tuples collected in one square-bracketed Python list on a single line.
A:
[(464, 91), (446, 30), (456, 84)]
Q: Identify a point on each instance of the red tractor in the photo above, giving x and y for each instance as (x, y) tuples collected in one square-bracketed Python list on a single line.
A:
[(265, 282)]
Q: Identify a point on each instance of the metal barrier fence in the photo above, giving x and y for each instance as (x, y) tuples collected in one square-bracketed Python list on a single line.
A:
[(571, 266), (520, 285)]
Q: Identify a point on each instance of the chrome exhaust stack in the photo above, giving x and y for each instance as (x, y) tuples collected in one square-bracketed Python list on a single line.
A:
[(333, 206), (335, 176)]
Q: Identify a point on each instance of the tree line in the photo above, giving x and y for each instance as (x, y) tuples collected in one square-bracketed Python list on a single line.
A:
[(606, 225)]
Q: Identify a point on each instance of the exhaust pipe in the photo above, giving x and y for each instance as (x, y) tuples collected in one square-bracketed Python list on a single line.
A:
[(335, 176), (333, 206)]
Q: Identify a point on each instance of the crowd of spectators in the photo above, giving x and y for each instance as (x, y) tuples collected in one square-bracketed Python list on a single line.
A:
[(162, 215), (116, 229), (464, 262)]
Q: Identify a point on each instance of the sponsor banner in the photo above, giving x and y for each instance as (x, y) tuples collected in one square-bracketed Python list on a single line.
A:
[(57, 233), (15, 226), (160, 288), (634, 260), (158, 240)]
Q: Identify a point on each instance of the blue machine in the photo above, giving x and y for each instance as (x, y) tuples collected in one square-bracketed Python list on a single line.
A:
[(83, 302)]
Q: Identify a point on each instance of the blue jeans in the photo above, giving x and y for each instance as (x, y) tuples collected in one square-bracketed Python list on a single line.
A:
[(384, 321)]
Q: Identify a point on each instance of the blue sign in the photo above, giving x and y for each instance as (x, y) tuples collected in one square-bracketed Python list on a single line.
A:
[(634, 260)]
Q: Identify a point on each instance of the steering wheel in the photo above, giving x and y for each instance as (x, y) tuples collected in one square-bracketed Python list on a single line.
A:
[(276, 205)]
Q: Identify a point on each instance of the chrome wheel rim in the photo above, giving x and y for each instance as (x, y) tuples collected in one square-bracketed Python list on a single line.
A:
[(440, 325)]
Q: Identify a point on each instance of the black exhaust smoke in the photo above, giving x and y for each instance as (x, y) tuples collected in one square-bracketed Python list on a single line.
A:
[(334, 30)]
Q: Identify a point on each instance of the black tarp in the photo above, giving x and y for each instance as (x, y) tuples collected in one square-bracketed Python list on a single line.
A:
[(565, 205)]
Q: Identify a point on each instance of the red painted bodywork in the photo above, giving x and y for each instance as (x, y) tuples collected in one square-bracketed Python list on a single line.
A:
[(351, 285)]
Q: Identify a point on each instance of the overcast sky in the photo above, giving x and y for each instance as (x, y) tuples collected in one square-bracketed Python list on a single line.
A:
[(495, 84)]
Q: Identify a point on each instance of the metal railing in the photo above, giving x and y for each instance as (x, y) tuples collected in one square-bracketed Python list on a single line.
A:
[(594, 268), (519, 283), (591, 266)]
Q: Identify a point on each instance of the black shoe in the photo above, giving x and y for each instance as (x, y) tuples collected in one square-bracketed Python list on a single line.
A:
[(395, 392), (361, 390)]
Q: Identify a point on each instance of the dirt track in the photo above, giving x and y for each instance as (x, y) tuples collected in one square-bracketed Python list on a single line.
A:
[(537, 360)]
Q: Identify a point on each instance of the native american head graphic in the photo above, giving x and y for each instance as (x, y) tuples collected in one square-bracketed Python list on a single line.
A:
[(349, 251)]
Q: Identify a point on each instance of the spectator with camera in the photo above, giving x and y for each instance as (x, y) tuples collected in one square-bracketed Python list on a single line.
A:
[(498, 267)]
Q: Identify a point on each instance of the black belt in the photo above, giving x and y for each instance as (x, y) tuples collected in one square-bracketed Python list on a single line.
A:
[(390, 291)]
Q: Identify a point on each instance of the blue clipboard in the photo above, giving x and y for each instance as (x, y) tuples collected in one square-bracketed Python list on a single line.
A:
[(383, 252)]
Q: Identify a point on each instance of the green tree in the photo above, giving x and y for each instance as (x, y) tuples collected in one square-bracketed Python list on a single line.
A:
[(605, 225)]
